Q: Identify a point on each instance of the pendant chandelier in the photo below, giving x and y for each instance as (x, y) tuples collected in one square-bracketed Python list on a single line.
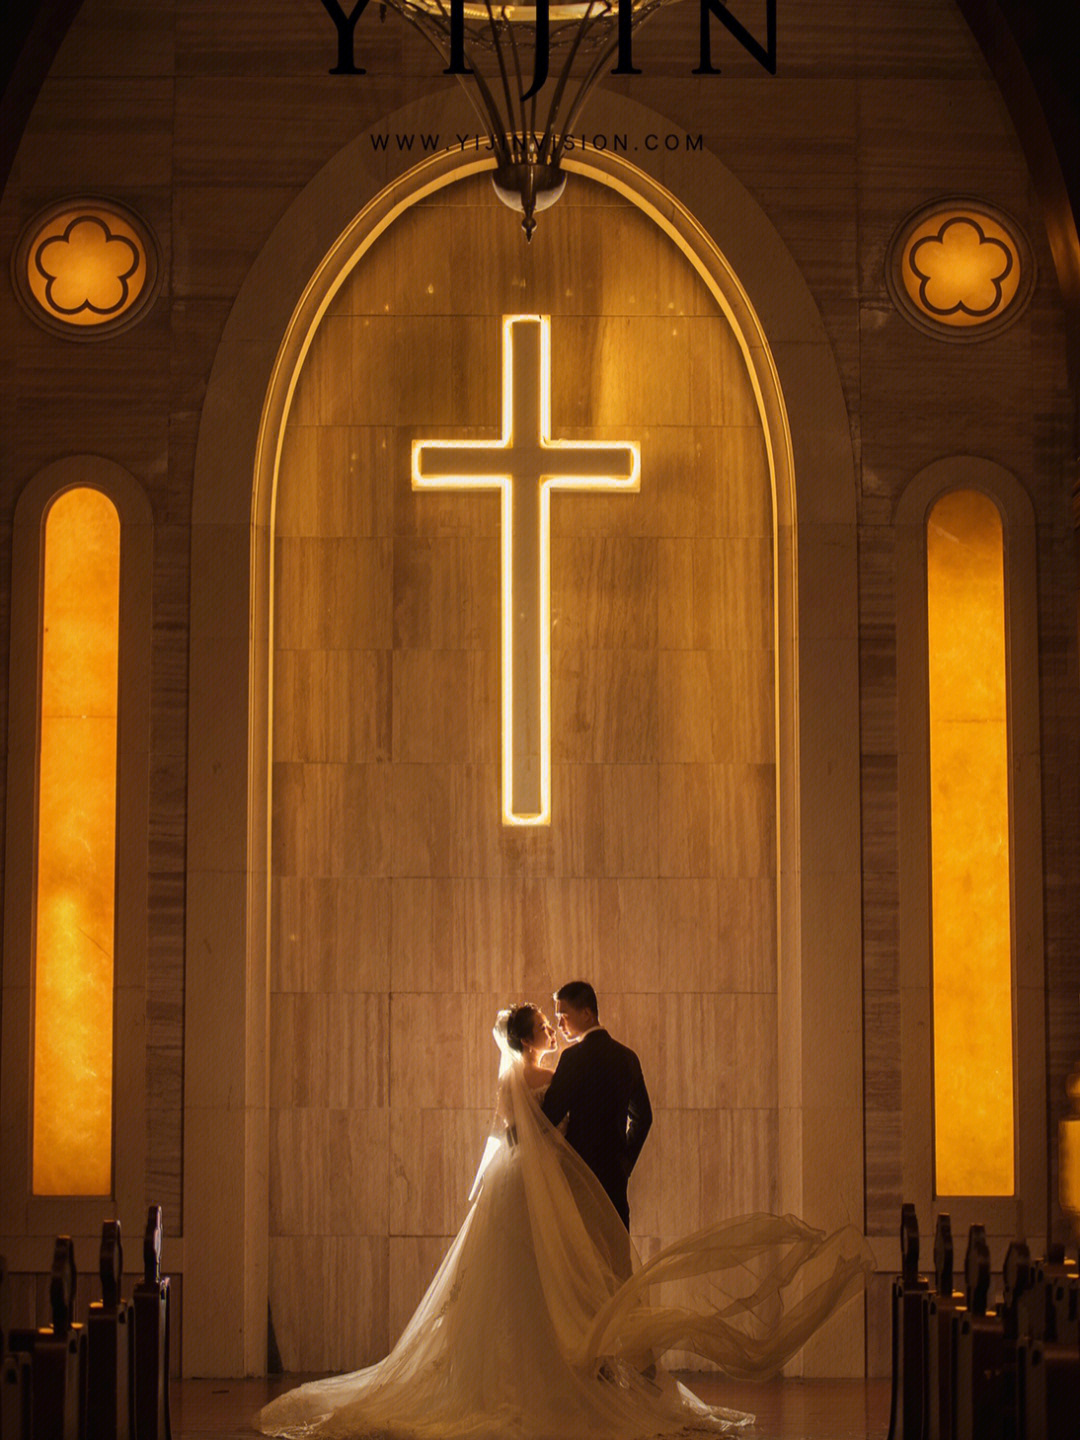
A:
[(528, 70)]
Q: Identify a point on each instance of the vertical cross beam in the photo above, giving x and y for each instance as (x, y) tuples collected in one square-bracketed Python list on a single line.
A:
[(525, 464)]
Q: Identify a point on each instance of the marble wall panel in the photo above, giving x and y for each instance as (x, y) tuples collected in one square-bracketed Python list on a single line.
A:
[(446, 706), (333, 593), (331, 1051), (622, 371), (338, 1190), (441, 1053), (447, 593), (434, 1156), (630, 956), (741, 1165), (603, 590), (716, 706), (344, 1324), (338, 481), (331, 819), (719, 935), (446, 819), (604, 706), (710, 593), (480, 933), (711, 480), (331, 934), (332, 706), (716, 820)]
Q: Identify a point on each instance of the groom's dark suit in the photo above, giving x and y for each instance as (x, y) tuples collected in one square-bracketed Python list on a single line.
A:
[(599, 1084)]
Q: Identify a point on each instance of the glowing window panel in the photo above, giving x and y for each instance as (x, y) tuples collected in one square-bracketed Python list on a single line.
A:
[(969, 796), (76, 854), (526, 465)]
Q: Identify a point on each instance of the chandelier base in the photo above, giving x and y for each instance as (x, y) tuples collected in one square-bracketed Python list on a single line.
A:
[(528, 187)]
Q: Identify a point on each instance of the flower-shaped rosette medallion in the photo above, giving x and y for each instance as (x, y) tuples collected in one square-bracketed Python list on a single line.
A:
[(86, 269), (960, 270)]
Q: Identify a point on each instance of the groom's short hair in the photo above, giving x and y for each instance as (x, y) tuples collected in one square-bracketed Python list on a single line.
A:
[(580, 994)]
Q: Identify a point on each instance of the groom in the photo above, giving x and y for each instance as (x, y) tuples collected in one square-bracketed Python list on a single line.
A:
[(599, 1083)]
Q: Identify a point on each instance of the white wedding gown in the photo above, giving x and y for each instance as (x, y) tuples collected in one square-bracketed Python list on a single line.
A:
[(528, 1333)]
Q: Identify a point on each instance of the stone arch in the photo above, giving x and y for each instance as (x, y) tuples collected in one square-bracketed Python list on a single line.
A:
[(1026, 1210), (728, 239)]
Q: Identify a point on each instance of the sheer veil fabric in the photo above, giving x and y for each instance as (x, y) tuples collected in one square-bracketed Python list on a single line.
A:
[(527, 1331)]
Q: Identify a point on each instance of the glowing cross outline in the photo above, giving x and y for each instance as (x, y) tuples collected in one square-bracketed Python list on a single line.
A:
[(549, 465)]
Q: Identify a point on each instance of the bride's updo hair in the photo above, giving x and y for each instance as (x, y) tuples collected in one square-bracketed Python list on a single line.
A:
[(518, 1025)]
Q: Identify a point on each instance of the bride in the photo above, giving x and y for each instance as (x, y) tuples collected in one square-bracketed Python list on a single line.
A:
[(527, 1330)]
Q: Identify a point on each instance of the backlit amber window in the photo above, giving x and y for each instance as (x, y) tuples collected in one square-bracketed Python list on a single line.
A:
[(970, 870), (76, 853)]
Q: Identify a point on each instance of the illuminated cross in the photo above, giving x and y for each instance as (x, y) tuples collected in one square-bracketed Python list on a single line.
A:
[(526, 465)]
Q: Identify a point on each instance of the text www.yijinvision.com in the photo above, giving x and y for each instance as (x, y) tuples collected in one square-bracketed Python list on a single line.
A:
[(619, 142)]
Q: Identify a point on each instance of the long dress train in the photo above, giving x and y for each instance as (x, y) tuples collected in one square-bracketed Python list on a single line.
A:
[(527, 1331)]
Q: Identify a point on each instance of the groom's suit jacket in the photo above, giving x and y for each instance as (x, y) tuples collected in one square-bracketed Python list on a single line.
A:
[(599, 1084)]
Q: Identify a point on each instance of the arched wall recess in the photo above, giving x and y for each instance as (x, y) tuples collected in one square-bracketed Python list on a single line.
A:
[(28, 1220), (790, 361), (1024, 1212)]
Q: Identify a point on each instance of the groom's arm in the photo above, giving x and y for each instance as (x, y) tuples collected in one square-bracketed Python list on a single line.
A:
[(556, 1103), (639, 1115)]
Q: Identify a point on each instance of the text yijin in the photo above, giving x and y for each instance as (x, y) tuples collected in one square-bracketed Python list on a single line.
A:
[(345, 27)]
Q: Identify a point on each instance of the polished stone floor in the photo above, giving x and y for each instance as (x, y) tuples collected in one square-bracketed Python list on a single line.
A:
[(785, 1409)]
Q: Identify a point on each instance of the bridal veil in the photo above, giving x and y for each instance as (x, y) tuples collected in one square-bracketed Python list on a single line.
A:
[(541, 1325)]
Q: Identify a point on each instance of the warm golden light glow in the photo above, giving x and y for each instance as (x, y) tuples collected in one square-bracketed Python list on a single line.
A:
[(86, 266), (76, 853), (525, 465), (969, 784), (961, 268)]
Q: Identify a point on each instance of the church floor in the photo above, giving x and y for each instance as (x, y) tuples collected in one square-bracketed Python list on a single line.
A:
[(785, 1409)]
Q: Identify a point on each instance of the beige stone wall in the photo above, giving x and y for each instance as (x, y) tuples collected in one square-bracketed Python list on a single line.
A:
[(404, 913)]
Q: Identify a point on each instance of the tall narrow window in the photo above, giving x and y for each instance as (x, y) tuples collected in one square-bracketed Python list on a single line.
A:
[(970, 860), (76, 851)]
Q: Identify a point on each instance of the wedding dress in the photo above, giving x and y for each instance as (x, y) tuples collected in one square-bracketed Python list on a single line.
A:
[(527, 1331)]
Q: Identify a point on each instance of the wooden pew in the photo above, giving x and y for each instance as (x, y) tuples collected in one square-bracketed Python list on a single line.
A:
[(1048, 1361), (107, 1380), (963, 1370), (909, 1353), (942, 1303), (985, 1345), (151, 1368), (16, 1417), (55, 1357), (110, 1338)]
